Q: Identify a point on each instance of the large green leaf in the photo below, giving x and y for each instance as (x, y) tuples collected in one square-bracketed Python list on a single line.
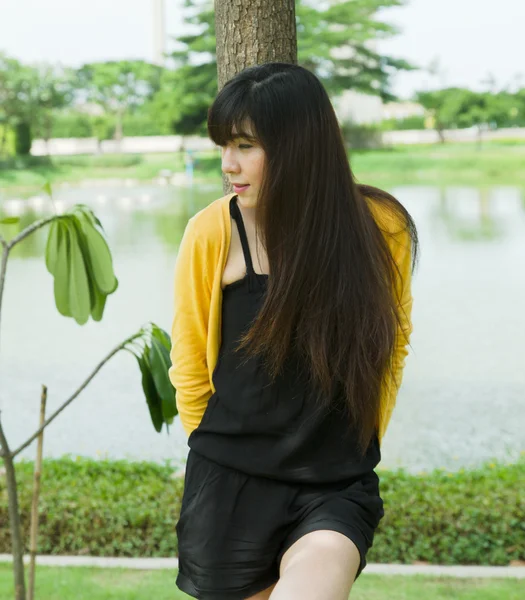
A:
[(160, 363), (9, 220), (152, 398), (162, 336), (79, 295), (61, 281)]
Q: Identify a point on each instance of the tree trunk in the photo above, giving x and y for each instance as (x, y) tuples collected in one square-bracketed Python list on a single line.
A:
[(118, 124), (480, 136), (3, 140), (14, 519), (48, 130), (253, 32)]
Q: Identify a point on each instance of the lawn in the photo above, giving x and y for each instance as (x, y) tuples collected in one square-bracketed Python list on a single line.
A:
[(86, 583), (496, 163)]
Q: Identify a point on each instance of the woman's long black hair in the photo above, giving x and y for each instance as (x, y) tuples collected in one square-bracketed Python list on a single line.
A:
[(332, 275)]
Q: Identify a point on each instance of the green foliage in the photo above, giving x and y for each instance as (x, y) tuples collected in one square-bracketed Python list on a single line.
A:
[(79, 259), (459, 107), (103, 127), (22, 138), (143, 123), (468, 517), (17, 85), (29, 94), (121, 508), (361, 136), (7, 142), (412, 122), (101, 508), (72, 125), (25, 162), (186, 93), (119, 86), (80, 125), (108, 161)]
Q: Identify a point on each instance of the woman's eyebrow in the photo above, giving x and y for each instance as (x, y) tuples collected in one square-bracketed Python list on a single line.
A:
[(244, 136)]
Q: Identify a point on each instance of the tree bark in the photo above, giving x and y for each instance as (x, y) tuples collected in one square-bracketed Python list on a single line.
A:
[(253, 32), (3, 140), (14, 518)]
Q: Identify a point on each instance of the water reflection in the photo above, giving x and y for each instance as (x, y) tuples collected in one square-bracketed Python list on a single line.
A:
[(463, 394), (475, 214)]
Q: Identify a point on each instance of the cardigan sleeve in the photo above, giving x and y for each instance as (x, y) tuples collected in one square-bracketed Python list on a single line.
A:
[(189, 333), (400, 245)]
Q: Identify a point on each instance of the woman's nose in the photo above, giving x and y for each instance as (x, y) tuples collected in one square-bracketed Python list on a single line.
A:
[(229, 164)]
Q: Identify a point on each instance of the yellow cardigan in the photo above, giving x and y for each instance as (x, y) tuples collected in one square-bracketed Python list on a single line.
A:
[(196, 328)]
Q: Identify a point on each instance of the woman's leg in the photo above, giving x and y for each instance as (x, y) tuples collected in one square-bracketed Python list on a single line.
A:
[(320, 564)]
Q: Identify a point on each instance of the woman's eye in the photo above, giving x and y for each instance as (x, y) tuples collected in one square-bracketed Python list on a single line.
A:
[(245, 146)]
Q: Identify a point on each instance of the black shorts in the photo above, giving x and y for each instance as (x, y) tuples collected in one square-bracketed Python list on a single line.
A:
[(234, 528)]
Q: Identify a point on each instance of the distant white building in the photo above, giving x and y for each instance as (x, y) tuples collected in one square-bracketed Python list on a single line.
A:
[(359, 108), (402, 110), (366, 108)]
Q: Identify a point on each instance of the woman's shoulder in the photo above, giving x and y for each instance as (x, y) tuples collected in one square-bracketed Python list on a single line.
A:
[(209, 223), (388, 215)]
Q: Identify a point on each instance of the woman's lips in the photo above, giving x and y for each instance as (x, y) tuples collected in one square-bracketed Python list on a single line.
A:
[(240, 188)]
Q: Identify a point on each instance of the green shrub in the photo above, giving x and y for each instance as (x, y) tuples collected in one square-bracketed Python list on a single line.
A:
[(9, 147), (100, 508), (71, 125), (361, 137), (118, 508), (138, 124), (22, 139), (27, 161), (465, 517), (412, 122), (100, 160), (103, 127)]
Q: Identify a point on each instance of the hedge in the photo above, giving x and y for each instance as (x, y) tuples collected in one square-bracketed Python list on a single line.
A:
[(121, 508)]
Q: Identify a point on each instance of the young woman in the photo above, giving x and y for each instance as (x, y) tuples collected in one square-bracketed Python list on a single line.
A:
[(292, 319)]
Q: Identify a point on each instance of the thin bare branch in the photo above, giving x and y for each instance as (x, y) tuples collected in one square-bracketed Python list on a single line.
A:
[(75, 394)]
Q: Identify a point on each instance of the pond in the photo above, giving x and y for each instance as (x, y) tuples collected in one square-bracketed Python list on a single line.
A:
[(462, 400)]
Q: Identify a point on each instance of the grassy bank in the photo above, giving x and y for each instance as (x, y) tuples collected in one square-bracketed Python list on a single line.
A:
[(84, 583), (496, 163)]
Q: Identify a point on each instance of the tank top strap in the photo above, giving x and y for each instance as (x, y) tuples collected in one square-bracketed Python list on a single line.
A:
[(236, 214)]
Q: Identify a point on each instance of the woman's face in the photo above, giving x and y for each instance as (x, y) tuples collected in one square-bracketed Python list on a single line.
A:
[(243, 162)]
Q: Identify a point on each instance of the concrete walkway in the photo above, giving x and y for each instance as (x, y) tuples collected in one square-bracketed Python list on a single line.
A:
[(517, 572)]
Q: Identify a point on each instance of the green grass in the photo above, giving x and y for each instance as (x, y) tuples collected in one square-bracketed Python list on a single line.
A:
[(77, 168), (496, 163), (86, 583)]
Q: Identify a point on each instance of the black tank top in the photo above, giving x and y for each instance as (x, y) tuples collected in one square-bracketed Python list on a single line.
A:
[(266, 429)]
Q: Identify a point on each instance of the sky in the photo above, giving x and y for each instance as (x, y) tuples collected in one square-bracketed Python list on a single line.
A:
[(470, 39)]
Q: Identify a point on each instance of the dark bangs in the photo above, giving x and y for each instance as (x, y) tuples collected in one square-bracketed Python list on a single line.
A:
[(231, 108)]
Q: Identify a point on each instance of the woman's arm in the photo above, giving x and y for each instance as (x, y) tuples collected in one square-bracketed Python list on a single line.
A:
[(189, 333)]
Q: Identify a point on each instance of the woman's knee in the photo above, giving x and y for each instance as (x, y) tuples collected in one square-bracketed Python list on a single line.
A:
[(321, 562)]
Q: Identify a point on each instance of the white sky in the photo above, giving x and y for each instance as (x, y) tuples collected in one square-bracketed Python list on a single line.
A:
[(471, 38)]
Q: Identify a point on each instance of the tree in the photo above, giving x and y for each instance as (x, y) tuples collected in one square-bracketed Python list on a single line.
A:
[(54, 91), (442, 106), (79, 259), (333, 41), (253, 33), (176, 109), (17, 99), (28, 96), (118, 86)]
